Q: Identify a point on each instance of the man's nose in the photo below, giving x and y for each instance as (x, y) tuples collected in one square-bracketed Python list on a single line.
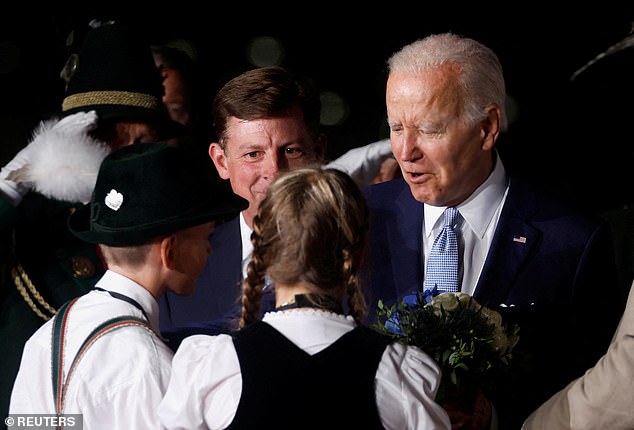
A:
[(407, 148), (272, 165)]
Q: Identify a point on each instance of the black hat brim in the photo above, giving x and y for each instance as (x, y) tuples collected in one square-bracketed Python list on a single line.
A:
[(213, 209)]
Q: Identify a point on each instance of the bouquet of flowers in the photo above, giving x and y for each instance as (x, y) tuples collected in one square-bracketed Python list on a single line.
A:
[(468, 341)]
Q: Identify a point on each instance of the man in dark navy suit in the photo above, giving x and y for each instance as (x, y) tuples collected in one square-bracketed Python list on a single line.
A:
[(539, 263)]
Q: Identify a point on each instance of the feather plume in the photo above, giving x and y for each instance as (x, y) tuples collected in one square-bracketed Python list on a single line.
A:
[(64, 165)]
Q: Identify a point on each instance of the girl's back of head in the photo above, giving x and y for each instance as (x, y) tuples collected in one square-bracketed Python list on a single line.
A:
[(311, 229)]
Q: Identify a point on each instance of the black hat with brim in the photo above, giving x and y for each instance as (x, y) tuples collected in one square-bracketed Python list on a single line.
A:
[(149, 190), (114, 74)]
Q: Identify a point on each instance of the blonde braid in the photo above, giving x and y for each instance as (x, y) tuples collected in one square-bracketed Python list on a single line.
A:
[(356, 300), (253, 284)]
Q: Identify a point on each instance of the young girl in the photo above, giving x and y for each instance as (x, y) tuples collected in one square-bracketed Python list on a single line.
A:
[(307, 364)]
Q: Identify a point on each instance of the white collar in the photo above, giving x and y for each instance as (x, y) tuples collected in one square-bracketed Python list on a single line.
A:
[(113, 281), (245, 235)]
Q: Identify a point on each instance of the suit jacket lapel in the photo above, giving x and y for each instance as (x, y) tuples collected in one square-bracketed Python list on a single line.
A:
[(404, 236), (514, 238)]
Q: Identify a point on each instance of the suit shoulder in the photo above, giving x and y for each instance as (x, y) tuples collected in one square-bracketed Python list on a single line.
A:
[(388, 190), (548, 205)]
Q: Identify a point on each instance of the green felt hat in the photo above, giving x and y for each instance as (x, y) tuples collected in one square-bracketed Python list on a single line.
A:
[(115, 75), (147, 190)]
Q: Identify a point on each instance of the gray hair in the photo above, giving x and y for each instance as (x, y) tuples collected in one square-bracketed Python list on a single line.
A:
[(481, 77)]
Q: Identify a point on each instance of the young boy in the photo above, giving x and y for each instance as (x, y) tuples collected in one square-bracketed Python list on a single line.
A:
[(150, 216)]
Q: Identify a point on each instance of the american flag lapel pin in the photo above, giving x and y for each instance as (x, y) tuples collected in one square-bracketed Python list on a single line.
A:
[(519, 239)]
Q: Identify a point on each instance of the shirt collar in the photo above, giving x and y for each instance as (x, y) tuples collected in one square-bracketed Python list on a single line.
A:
[(432, 216), (245, 235), (113, 281), (478, 209)]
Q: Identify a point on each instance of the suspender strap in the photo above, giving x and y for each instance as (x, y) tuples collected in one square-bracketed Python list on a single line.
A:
[(60, 385), (57, 357)]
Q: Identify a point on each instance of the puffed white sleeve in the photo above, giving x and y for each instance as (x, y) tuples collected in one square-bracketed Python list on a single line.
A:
[(364, 162), (407, 381), (205, 385)]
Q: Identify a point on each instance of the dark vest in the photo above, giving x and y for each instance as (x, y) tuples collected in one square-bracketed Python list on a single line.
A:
[(283, 387)]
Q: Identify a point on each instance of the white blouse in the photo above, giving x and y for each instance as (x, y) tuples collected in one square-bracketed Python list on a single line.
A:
[(206, 384)]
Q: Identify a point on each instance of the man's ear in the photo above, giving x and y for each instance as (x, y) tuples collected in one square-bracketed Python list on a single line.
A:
[(217, 155), (491, 126)]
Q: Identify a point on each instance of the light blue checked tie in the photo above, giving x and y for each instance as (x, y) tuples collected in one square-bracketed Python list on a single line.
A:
[(443, 264)]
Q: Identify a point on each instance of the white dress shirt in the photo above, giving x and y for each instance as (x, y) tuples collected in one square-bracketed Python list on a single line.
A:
[(206, 382), (480, 214), (120, 380), (247, 246)]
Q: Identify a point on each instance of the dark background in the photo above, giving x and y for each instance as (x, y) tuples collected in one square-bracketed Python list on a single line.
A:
[(562, 133)]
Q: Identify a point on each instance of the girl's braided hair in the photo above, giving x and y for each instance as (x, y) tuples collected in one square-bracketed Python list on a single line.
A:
[(312, 228)]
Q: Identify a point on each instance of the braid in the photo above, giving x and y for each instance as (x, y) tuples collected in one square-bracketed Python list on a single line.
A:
[(253, 285), (356, 299)]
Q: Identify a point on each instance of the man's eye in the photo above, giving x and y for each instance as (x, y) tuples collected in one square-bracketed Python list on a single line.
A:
[(293, 152), (434, 134), (252, 154)]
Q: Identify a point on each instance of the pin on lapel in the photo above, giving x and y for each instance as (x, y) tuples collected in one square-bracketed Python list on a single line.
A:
[(519, 239)]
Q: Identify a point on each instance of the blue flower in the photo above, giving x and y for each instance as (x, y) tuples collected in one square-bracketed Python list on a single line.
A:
[(429, 294), (425, 297), (393, 324)]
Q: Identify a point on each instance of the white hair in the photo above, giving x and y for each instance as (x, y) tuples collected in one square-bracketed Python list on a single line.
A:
[(481, 77)]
